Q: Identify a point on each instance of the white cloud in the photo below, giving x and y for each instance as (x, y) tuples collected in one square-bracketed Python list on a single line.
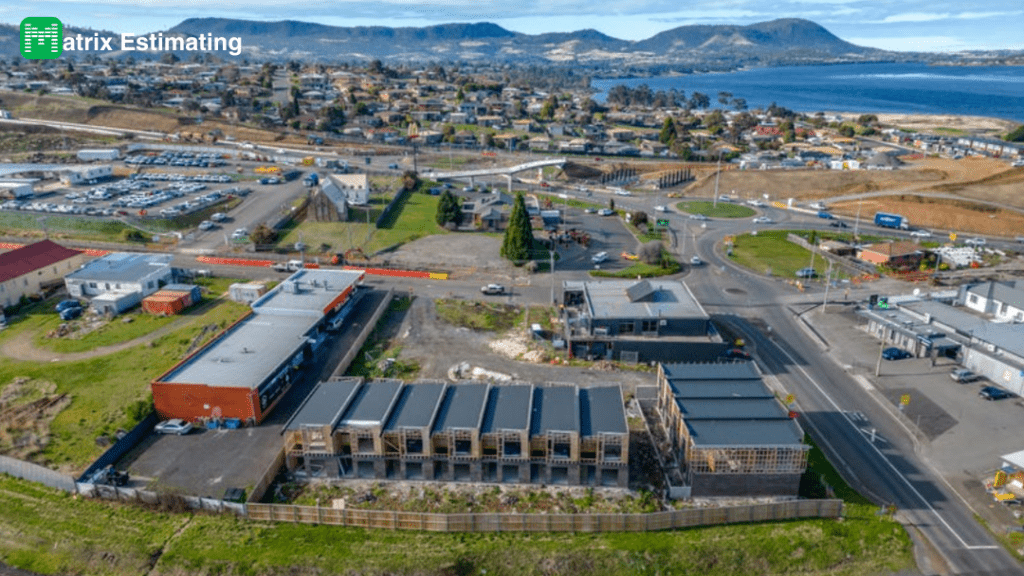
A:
[(931, 17), (914, 43)]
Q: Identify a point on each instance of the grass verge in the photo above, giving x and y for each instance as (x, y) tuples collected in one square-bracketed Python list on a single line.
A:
[(722, 210), (372, 359), (478, 315), (769, 252), (49, 532)]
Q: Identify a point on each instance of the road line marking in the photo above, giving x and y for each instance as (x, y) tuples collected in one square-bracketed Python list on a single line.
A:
[(879, 452)]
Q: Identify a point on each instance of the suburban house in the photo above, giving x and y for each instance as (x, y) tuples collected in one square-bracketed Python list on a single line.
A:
[(34, 268), (637, 321), (121, 272), (327, 203), (487, 211), (1002, 300), (892, 254)]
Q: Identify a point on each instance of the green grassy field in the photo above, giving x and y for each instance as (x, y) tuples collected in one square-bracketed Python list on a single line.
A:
[(49, 532), (770, 251), (478, 315), (413, 219), (723, 210), (108, 392)]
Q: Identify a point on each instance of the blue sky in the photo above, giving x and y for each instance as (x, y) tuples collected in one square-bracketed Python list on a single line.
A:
[(909, 25)]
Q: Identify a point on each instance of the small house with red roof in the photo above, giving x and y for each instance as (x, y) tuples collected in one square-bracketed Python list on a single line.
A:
[(892, 254), (34, 268)]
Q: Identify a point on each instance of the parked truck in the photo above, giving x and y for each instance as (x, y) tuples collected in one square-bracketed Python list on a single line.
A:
[(886, 220)]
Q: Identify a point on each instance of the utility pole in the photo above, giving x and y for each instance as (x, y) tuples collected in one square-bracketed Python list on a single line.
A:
[(552, 276), (881, 347), (714, 202), (856, 223), (828, 282)]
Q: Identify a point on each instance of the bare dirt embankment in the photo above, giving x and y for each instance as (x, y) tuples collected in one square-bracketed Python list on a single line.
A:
[(940, 215)]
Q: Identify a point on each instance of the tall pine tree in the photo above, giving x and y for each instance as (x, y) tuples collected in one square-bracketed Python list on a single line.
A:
[(448, 209), (519, 235)]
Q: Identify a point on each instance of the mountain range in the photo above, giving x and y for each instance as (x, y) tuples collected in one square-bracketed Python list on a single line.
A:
[(783, 41)]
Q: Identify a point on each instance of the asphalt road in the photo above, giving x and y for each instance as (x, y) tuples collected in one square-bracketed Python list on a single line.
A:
[(834, 408)]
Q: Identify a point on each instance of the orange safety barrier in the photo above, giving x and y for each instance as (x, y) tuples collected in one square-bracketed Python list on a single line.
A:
[(394, 273), (233, 261)]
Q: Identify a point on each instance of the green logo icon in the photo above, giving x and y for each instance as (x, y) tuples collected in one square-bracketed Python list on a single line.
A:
[(42, 38)]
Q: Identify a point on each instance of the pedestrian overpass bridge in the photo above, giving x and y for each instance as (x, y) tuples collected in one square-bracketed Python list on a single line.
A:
[(507, 171)]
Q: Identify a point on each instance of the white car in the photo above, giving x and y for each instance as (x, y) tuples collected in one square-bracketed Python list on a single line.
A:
[(660, 208), (605, 212), (975, 242), (756, 203), (763, 220), (621, 192), (219, 217), (921, 234), (599, 257), (698, 217), (696, 261), (174, 426), (205, 225)]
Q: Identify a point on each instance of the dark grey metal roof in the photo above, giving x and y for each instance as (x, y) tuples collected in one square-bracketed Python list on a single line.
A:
[(764, 433), (555, 409), (416, 406), (1009, 337), (602, 411), (720, 389), (508, 408), (712, 371), (640, 291), (373, 404), (463, 407), (732, 409), (323, 406)]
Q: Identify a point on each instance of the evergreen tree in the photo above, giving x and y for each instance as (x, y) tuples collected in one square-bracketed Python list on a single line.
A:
[(448, 209), (519, 235), (668, 132)]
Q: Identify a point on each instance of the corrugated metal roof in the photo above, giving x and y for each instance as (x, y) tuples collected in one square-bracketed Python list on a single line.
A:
[(416, 406), (602, 411), (1009, 337), (462, 408), (307, 291), (712, 371), (555, 409), (32, 257), (720, 389), (324, 405), (755, 433), (508, 408), (122, 267), (373, 403), (732, 409)]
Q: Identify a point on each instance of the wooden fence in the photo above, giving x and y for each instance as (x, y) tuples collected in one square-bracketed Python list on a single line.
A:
[(390, 520)]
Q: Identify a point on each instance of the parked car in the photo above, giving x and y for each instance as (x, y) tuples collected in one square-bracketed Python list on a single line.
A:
[(838, 224), (763, 220), (599, 257), (735, 354), (696, 261), (806, 273), (174, 426), (67, 304), (493, 289), (698, 217), (219, 217), (660, 208), (993, 393), (605, 212), (963, 375), (975, 242), (205, 225), (895, 354), (921, 234), (591, 211), (70, 313)]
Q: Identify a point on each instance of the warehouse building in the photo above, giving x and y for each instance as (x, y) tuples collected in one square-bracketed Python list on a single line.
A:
[(121, 272), (729, 433), (245, 370), (462, 432), (637, 321)]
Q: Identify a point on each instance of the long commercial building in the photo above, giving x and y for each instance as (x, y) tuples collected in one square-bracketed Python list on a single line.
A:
[(462, 432), (244, 370), (729, 432)]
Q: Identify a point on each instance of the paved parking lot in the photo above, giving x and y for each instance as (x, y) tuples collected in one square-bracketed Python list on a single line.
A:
[(206, 462), (962, 434)]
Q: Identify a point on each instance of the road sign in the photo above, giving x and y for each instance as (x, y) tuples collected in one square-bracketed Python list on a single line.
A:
[(952, 236), (790, 398), (905, 399)]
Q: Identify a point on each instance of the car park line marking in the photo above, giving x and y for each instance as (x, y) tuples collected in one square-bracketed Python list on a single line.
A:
[(885, 459)]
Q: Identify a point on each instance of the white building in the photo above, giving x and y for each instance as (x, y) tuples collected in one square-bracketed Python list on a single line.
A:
[(1004, 301), (122, 273), (84, 174), (355, 187)]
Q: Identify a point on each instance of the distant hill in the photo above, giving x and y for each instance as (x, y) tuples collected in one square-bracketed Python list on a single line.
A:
[(784, 41)]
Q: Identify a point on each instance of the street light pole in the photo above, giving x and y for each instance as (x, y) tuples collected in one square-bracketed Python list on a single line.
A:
[(828, 281), (552, 277), (881, 347)]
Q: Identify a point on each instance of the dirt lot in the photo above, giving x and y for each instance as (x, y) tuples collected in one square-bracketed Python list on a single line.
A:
[(437, 347), (940, 215)]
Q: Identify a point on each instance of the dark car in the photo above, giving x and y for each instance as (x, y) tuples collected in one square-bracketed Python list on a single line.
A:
[(67, 304), (895, 354), (993, 393), (70, 313), (838, 224)]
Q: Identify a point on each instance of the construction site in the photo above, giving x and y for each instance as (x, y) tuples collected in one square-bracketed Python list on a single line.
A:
[(460, 432)]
